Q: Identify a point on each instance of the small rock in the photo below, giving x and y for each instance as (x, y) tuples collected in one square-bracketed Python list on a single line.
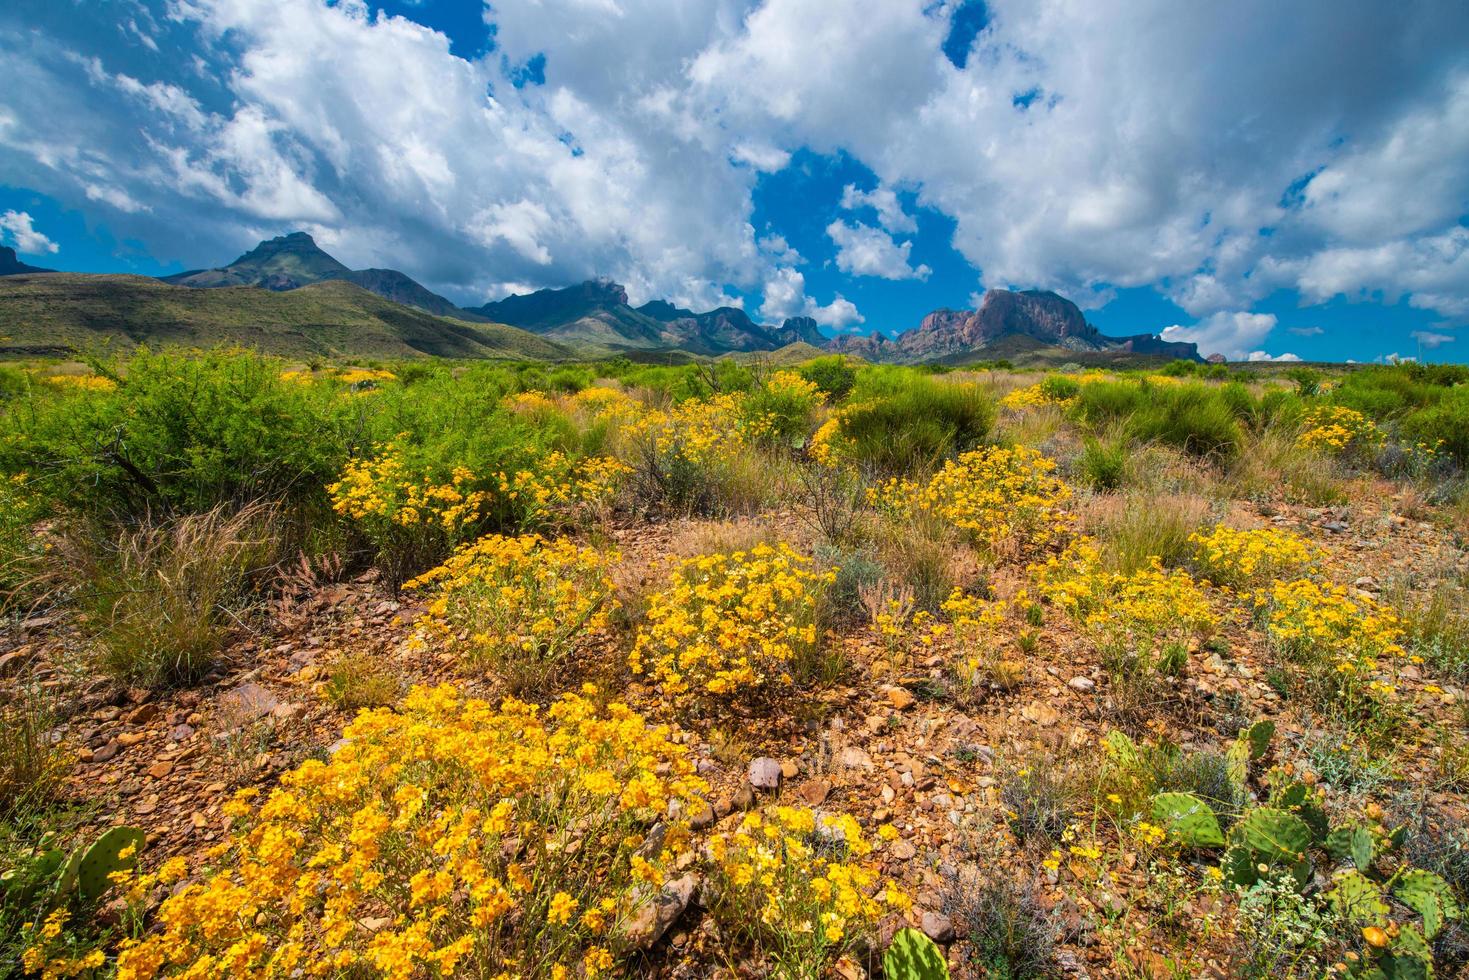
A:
[(1335, 527), (901, 850), (855, 758), (1367, 583), (160, 769), (814, 791), (938, 927), (744, 798), (765, 773), (142, 714), (789, 769), (703, 817), (1081, 684), (288, 712), (899, 697), (11, 663), (181, 733), (131, 738)]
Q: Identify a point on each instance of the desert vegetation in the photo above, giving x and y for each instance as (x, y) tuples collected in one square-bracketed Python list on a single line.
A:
[(439, 668)]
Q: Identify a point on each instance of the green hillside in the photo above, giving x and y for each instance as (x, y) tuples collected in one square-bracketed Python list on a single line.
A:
[(41, 314)]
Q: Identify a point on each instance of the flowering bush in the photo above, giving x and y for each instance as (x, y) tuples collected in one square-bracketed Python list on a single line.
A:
[(451, 838), (978, 629), (518, 605), (733, 622), (408, 515), (1055, 390), (1235, 558), (1336, 429), (998, 496), (780, 411), (563, 490), (789, 883), (1340, 638), (1143, 619), (81, 382)]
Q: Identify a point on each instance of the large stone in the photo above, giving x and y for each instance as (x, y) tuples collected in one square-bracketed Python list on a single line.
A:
[(765, 774), (655, 916)]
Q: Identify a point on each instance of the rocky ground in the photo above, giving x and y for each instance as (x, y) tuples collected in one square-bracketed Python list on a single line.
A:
[(878, 745)]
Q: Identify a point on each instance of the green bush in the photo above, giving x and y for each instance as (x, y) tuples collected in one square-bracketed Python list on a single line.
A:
[(832, 374), (1102, 465), (1445, 424), (181, 434), (913, 425)]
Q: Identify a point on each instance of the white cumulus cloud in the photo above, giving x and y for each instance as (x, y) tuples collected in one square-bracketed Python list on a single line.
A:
[(20, 231), (1235, 335), (863, 250)]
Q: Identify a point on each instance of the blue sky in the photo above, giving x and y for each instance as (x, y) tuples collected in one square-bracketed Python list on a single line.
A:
[(1266, 179)]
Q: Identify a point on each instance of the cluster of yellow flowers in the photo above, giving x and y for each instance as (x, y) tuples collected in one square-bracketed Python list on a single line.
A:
[(823, 447), (1315, 621), (697, 430), (978, 628), (1034, 396), (1337, 429), (789, 881), (451, 838), (81, 382), (563, 489), (365, 376), (1234, 558), (382, 489), (999, 496), (732, 622), (1144, 612), (517, 605)]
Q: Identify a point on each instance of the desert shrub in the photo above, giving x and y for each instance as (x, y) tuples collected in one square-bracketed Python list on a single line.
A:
[(181, 434), (790, 885), (1436, 626), (1281, 933), (853, 572), (921, 552), (1009, 931), (408, 517), (910, 425), (1339, 431), (1443, 426), (502, 839), (728, 624), (1000, 499), (517, 606), (163, 597), (22, 549), (699, 457), (1239, 558), (1134, 529), (1102, 465), (1040, 800), (1192, 416), (1272, 462), (355, 681), (32, 762), (833, 375)]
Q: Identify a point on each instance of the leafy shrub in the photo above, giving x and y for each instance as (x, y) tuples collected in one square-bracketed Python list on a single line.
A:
[(181, 434), (1191, 416), (471, 821), (789, 884), (162, 597), (833, 375), (519, 606), (731, 623), (1040, 800), (1444, 425)]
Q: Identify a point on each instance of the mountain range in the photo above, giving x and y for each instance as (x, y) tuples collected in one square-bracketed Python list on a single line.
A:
[(322, 306)]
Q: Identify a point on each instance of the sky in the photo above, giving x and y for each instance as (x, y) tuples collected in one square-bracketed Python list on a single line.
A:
[(1266, 179)]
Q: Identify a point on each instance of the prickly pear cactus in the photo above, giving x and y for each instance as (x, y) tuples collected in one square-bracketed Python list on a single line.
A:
[(913, 956), (1272, 838), (1258, 736), (1430, 896), (1299, 799), (115, 850), (1188, 818)]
